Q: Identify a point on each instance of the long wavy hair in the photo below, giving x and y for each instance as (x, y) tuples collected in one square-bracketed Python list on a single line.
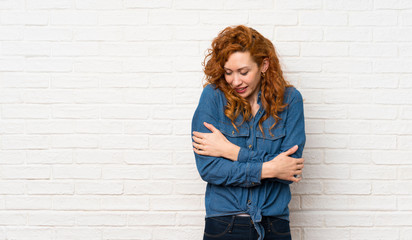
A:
[(245, 39)]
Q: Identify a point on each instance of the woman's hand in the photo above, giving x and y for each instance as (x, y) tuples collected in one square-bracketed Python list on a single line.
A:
[(284, 167), (214, 144)]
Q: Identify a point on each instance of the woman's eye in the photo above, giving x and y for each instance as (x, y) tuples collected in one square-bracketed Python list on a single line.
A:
[(244, 74), (227, 73)]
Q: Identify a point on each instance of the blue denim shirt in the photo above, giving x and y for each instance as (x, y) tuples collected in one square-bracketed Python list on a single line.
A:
[(235, 187)]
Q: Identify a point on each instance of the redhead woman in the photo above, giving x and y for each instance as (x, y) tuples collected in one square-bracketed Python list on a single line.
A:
[(248, 137)]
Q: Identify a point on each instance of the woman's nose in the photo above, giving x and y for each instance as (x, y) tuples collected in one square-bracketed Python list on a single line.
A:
[(236, 80)]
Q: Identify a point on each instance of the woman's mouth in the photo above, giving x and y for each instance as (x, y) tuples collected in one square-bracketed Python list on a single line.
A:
[(240, 90)]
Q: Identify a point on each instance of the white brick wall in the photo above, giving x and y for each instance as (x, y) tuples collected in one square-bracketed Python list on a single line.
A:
[(96, 99)]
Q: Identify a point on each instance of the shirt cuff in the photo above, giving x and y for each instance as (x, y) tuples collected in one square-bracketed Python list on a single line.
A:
[(254, 173), (243, 155)]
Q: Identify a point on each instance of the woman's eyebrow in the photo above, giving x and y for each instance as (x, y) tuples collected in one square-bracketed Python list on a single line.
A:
[(238, 69)]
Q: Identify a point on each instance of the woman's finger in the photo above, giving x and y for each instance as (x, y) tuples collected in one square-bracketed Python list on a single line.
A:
[(197, 140), (210, 127), (199, 151), (198, 134), (197, 146)]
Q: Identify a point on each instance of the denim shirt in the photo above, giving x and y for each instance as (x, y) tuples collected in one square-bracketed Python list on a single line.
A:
[(236, 187)]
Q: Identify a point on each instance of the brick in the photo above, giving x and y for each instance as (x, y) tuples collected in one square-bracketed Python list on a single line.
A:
[(306, 34), (147, 65), (25, 142), (392, 66), (345, 126), (182, 127), (398, 4), (128, 111), (47, 34), (150, 4), (119, 18), (392, 219), (176, 172), (26, 49), (173, 17), (323, 18), (178, 48), (372, 112), (98, 34), (49, 4), (26, 80), (306, 187), (404, 203), (125, 233), (99, 188), (47, 156), (151, 219), (326, 141), (98, 96), (101, 219), (397, 96), (406, 234), (406, 112), (125, 172), (306, 219), (148, 96), (12, 157), (190, 219), (48, 65), (392, 187), (224, 17), (373, 50), (375, 233), (75, 111), (405, 50), (298, 4), (87, 203), (313, 156), (373, 172), (12, 4), (373, 18), (13, 218), (294, 203), (391, 127), (74, 141), (51, 219), (392, 157), (12, 126), (125, 203), (98, 156), (149, 33), (318, 233), (76, 172), (123, 142), (11, 33), (287, 49), (82, 18), (102, 126), (175, 203), (32, 233), (11, 96), (349, 219), (157, 127), (405, 18), (47, 96), (278, 18), (372, 142), (148, 187), (12, 64), (324, 50), (74, 50), (348, 5), (171, 142), (390, 34), (77, 233), (176, 113), (148, 157), (373, 81), (164, 233), (99, 4), (333, 81), (301, 65), (27, 203), (326, 172), (121, 50), (348, 203), (50, 187), (347, 66), (348, 34), (125, 80), (12, 188), (404, 142), (97, 66), (347, 187), (348, 156), (347, 97), (314, 111)]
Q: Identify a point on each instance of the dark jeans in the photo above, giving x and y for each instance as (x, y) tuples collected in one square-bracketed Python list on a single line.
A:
[(242, 228)]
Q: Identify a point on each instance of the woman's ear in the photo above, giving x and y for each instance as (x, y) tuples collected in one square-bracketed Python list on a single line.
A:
[(265, 65)]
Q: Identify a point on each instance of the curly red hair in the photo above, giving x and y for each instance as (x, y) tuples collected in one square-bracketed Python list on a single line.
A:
[(245, 39)]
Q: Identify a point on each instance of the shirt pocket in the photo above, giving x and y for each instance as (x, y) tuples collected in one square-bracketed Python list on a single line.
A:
[(237, 137), (270, 143)]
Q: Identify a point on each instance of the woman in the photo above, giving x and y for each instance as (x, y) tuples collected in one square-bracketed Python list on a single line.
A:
[(248, 138)]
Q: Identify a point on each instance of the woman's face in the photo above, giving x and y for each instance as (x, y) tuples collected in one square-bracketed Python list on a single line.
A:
[(243, 75)]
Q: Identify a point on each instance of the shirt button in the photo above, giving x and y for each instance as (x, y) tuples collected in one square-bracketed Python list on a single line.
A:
[(233, 132), (250, 146), (249, 201)]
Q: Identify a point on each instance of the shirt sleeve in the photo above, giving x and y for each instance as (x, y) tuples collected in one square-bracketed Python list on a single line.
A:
[(295, 135), (218, 170)]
